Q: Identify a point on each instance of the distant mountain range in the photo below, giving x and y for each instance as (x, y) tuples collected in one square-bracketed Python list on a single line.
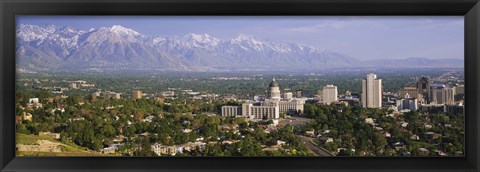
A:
[(52, 47)]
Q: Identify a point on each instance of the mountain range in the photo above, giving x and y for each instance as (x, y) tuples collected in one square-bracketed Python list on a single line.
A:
[(52, 47)]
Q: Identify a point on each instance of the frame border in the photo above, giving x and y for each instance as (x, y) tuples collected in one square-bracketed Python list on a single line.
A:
[(10, 8)]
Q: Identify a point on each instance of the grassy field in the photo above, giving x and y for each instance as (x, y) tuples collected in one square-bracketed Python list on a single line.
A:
[(67, 149)]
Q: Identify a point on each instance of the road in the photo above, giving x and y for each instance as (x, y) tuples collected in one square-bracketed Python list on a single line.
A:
[(314, 148), (307, 141)]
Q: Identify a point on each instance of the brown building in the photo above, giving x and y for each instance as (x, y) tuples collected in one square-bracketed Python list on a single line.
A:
[(423, 88), (411, 91), (137, 94)]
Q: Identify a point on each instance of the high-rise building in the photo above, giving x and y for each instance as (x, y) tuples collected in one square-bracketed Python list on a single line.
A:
[(274, 91), (460, 89), (330, 94), (451, 92), (372, 91), (423, 88), (137, 94), (411, 91), (442, 94), (439, 94)]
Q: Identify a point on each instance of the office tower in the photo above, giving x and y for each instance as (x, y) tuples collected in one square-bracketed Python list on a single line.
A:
[(423, 88), (372, 91), (411, 91), (459, 89), (450, 99), (442, 94), (438, 94), (330, 94)]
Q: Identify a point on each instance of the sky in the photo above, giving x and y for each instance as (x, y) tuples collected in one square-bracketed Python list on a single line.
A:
[(363, 37)]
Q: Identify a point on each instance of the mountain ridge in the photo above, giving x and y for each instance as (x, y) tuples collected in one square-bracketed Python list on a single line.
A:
[(54, 47)]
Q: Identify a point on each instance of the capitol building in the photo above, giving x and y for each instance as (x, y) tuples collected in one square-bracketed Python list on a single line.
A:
[(269, 108)]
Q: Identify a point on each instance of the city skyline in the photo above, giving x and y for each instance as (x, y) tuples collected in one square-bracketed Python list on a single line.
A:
[(189, 117), (254, 86)]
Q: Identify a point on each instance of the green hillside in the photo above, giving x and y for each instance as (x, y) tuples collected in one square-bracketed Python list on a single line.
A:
[(34, 145)]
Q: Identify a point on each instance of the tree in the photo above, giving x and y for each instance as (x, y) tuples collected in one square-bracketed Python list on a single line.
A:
[(22, 128), (73, 100)]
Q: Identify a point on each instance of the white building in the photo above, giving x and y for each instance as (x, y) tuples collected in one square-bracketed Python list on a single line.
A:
[(266, 108), (330, 94), (407, 103), (33, 100), (163, 149), (269, 111), (288, 95), (372, 91), (231, 111), (292, 106), (252, 111), (168, 94), (274, 91)]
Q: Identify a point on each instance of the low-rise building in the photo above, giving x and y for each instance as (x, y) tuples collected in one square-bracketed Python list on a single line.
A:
[(168, 94), (407, 103), (33, 100), (252, 111), (137, 94), (163, 149), (26, 117)]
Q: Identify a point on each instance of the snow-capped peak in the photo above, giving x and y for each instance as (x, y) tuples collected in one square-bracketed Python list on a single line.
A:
[(69, 29), (204, 38), (201, 40), (243, 37), (28, 32), (248, 40), (123, 31)]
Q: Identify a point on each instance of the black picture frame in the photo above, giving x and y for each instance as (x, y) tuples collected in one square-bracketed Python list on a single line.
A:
[(470, 9)]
